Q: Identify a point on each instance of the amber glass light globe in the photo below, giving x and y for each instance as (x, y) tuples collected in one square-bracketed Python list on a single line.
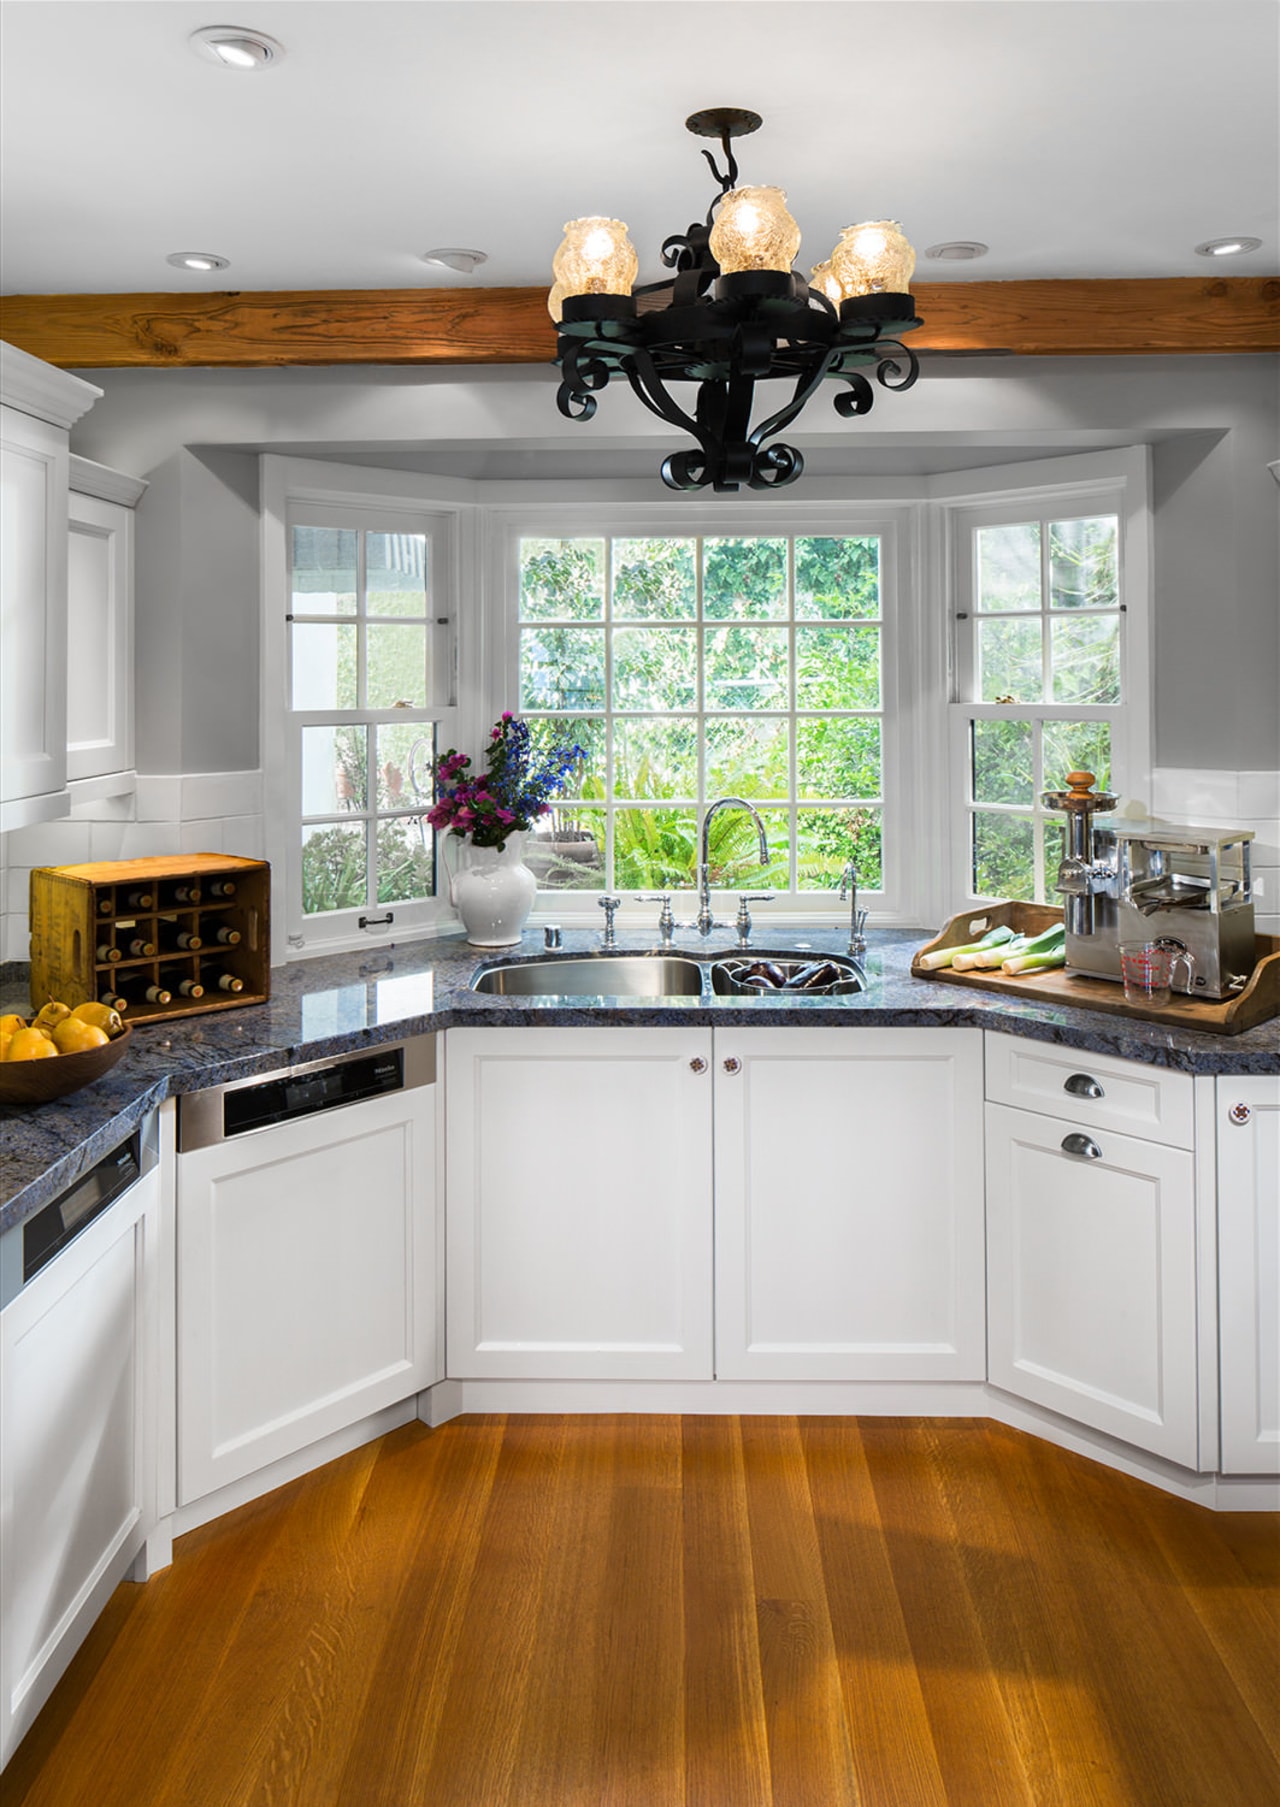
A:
[(595, 258), (873, 258), (754, 231), (822, 279), (555, 301)]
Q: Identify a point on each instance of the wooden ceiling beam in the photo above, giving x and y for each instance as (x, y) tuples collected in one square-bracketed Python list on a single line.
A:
[(257, 329)]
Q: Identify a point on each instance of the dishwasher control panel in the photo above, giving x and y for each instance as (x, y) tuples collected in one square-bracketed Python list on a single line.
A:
[(238, 1109)]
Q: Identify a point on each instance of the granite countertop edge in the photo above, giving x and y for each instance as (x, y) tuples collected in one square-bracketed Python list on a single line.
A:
[(337, 1004)]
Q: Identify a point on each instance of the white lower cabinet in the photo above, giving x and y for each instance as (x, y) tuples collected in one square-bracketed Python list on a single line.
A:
[(1091, 1277), (846, 1204), (579, 1189), (849, 1217), (79, 1366), (1248, 1112), (306, 1283)]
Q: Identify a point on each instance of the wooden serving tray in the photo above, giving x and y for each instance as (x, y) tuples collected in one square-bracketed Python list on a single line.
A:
[(1257, 1003)]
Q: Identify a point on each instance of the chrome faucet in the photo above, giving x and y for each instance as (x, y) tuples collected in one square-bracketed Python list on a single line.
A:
[(608, 935), (705, 921), (857, 917)]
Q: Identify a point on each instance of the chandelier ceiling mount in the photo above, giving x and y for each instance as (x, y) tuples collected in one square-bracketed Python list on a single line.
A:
[(733, 314)]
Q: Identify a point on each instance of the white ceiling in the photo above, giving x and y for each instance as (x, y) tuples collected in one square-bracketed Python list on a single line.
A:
[(1085, 138)]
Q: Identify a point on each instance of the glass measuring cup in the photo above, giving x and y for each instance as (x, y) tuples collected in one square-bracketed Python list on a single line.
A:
[(1147, 970)]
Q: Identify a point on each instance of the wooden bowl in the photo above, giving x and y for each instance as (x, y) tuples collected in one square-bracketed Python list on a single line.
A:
[(26, 1082)]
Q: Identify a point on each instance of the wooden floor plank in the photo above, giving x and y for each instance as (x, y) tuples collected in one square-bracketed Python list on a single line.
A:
[(726, 1735), (648, 1612), (810, 1757)]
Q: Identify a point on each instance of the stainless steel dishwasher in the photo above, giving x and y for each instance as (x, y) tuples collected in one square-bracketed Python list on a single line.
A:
[(307, 1258)]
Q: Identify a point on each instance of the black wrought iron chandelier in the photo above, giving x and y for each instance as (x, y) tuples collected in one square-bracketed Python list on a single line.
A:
[(734, 314)]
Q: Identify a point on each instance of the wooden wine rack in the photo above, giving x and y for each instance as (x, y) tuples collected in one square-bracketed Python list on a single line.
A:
[(77, 910)]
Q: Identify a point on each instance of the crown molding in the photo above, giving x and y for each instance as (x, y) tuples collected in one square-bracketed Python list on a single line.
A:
[(1169, 317), (33, 386), (90, 479)]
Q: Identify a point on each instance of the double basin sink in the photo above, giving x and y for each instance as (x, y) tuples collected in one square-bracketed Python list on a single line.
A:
[(663, 975)]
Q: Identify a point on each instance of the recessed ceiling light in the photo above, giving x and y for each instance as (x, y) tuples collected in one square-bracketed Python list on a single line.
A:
[(1227, 247), (958, 250), (455, 257), (235, 47), (197, 260)]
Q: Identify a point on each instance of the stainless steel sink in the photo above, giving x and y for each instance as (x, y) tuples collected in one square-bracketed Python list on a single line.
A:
[(760, 974), (595, 976)]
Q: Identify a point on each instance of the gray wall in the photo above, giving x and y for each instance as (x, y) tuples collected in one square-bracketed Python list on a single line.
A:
[(1213, 424)]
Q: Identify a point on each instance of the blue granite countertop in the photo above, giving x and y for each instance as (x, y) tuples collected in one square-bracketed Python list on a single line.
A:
[(342, 1002)]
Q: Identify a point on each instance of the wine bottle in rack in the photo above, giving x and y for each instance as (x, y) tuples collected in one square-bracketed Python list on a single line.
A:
[(141, 949), (157, 994), (114, 1000), (227, 937), (139, 900), (188, 940), (186, 894), (107, 952), (190, 988), (105, 906), (229, 982), (222, 887)]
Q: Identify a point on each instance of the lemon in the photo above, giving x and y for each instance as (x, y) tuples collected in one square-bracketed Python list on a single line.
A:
[(102, 1016), (30, 1044), (72, 1036)]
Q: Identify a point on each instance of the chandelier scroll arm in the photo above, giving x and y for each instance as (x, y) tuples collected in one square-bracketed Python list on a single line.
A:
[(889, 372), (806, 386)]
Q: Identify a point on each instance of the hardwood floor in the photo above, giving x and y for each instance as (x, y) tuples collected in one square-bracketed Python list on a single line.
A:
[(644, 1611)]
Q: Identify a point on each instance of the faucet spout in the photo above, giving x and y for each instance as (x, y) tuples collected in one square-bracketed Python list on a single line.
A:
[(705, 920)]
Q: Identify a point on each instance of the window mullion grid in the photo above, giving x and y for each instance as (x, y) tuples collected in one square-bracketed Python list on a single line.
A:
[(700, 690), (793, 726), (1046, 634), (610, 741)]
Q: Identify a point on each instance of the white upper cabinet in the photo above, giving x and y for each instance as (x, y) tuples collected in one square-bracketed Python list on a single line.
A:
[(100, 621), (38, 406)]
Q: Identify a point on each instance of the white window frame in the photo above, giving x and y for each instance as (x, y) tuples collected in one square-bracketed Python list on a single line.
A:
[(898, 526), (1116, 482), (378, 501)]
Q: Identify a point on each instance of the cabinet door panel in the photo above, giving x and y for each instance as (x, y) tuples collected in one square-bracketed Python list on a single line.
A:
[(1249, 1273), (305, 1283), (849, 1204), (77, 1447), (33, 619), (1091, 1279), (99, 638), (579, 1203)]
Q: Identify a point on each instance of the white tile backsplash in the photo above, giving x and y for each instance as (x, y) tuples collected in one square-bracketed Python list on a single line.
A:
[(63, 843), (1260, 795), (159, 798), (206, 794)]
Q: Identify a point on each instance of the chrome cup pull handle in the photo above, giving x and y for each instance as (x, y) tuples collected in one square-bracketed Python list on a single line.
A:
[(1081, 1085), (1084, 1146)]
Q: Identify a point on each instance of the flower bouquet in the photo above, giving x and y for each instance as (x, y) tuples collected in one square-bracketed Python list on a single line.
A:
[(515, 788)]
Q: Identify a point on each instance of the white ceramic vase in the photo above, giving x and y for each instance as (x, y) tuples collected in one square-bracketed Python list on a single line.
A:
[(493, 891)]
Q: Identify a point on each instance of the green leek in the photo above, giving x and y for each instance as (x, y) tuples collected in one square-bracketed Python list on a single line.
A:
[(1035, 963), (943, 956)]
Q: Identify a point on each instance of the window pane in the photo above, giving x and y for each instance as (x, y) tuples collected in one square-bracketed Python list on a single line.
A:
[(657, 758), (395, 574), (653, 580), (1076, 747), (748, 757), (324, 571), (1003, 762), (396, 667), (1083, 570), (1003, 856), (1009, 662), (838, 578), (837, 667), (567, 851), (333, 867), (561, 580), (655, 668), (1008, 574), (1055, 847), (405, 751), (585, 731), (838, 757), (746, 668), (827, 838), (562, 668), (333, 770), (654, 849), (744, 578), (324, 666), (1086, 659), (406, 867)]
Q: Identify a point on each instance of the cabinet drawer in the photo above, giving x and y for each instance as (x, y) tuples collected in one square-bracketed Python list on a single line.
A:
[(1093, 1091)]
